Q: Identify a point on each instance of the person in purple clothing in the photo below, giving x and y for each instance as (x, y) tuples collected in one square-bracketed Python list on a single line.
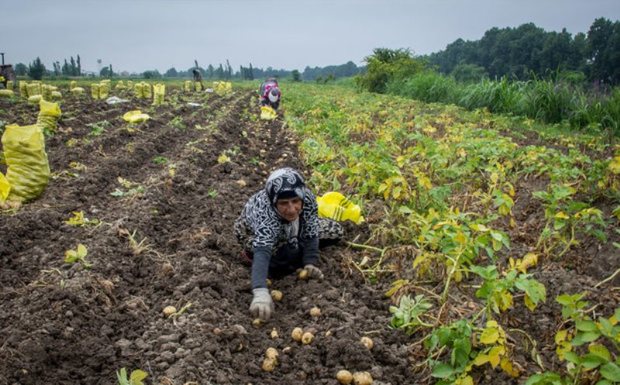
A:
[(279, 229), (270, 93)]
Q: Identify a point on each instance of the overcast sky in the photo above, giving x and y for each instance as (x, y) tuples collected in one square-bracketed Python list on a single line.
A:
[(137, 35)]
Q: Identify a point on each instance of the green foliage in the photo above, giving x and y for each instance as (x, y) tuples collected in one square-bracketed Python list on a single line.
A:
[(135, 378), (78, 255), (469, 73), (497, 289), (98, 128), (589, 348), (296, 75), (386, 65), (407, 316), (427, 86), (565, 219), (160, 160)]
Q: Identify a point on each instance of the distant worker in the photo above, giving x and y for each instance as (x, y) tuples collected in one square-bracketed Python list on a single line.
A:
[(270, 93), (279, 229), (198, 76)]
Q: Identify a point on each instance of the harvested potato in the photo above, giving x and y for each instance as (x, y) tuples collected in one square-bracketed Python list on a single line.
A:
[(271, 353), (269, 364), (276, 295), (303, 274), (169, 310), (307, 338), (315, 312), (366, 341), (344, 377), (257, 322), (274, 334), (362, 378), (297, 334)]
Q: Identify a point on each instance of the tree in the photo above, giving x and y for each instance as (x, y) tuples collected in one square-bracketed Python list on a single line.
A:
[(604, 51), (385, 65), (171, 73), (154, 74), (296, 76), (79, 66), (36, 69), (105, 72), (250, 73), (21, 69)]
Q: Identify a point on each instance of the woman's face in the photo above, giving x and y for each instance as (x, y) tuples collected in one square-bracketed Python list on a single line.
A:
[(290, 208)]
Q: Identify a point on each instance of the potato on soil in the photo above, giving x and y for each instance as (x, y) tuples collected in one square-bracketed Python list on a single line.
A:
[(297, 334), (303, 274), (169, 310), (362, 378), (315, 312), (307, 338), (276, 295), (269, 364), (271, 353), (257, 322), (344, 377), (274, 334), (366, 341)]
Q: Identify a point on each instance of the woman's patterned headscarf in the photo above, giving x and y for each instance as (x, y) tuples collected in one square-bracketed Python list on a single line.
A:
[(284, 180)]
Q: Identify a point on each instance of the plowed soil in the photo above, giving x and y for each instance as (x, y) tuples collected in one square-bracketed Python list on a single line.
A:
[(166, 239)]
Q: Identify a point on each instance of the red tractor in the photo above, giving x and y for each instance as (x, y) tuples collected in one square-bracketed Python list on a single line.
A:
[(6, 73)]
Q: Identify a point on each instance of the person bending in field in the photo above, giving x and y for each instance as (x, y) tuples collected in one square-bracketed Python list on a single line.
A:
[(279, 230), (270, 93), (198, 77)]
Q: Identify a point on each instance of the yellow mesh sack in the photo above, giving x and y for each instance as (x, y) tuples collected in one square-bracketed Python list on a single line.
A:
[(6, 93), (9, 85), (77, 91), (28, 169), (159, 90), (104, 89), (94, 90), (198, 86), (23, 89), (135, 116), (267, 113), (33, 89), (72, 84), (187, 86), (5, 188), (334, 205), (49, 113), (147, 93), (34, 99)]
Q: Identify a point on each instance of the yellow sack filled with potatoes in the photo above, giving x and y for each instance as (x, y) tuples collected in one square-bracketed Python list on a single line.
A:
[(334, 205), (159, 90), (135, 116), (267, 113), (187, 86), (49, 113), (28, 169)]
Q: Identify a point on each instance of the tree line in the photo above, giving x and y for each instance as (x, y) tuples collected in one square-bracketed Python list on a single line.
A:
[(73, 68), (529, 51)]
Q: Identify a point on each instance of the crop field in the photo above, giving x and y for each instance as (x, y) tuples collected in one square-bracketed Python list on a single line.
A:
[(489, 254)]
